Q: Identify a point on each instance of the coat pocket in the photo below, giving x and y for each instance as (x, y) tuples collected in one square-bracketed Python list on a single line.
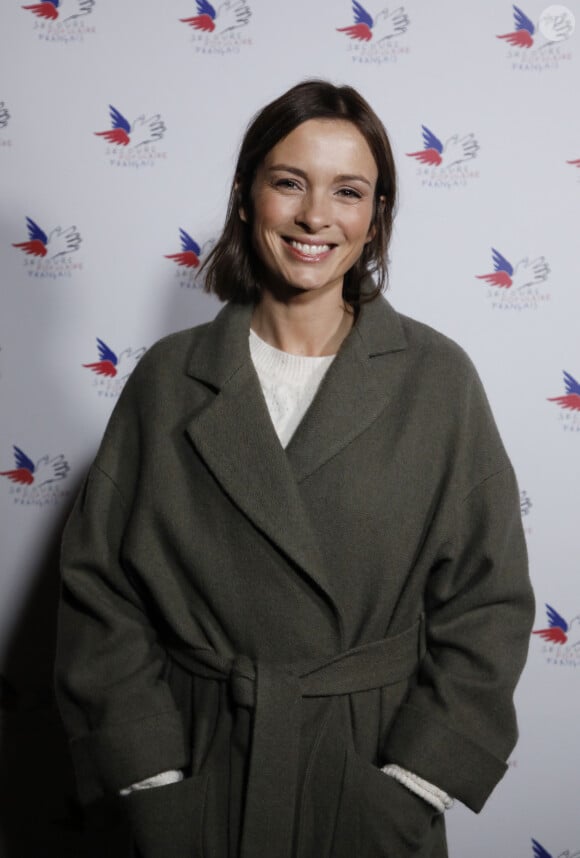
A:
[(168, 821), (380, 818)]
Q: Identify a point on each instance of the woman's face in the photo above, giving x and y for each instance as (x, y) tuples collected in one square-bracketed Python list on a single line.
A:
[(313, 204)]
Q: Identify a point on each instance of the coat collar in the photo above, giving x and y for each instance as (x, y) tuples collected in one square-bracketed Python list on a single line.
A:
[(235, 436)]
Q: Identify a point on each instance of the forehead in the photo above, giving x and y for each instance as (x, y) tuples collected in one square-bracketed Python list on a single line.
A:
[(335, 145)]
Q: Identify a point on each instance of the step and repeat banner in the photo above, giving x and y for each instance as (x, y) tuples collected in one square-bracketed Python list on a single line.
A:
[(119, 125)]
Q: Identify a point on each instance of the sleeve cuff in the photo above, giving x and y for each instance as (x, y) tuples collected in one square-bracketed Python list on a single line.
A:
[(107, 760), (419, 743)]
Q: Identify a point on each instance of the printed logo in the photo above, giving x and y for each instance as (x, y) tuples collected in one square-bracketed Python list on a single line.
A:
[(516, 287), (525, 508), (132, 144), (188, 260), (538, 48), (111, 372), (575, 162), (561, 639), (62, 20), (217, 31), (569, 404), (4, 122), (540, 852), (376, 39), (37, 484), (51, 254), (443, 165)]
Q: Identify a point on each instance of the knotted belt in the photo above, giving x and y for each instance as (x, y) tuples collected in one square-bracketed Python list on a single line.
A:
[(274, 693)]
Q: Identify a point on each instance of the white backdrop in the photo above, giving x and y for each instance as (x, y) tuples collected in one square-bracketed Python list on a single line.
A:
[(486, 131)]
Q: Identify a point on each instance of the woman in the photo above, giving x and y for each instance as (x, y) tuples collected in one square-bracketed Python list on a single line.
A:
[(295, 599)]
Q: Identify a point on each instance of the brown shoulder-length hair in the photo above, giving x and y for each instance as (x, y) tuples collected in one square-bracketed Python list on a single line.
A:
[(232, 270)]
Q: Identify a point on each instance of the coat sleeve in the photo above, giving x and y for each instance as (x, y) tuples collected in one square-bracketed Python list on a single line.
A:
[(457, 726), (116, 706)]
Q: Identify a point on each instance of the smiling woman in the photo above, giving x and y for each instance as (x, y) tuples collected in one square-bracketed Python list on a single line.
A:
[(295, 599), (313, 205)]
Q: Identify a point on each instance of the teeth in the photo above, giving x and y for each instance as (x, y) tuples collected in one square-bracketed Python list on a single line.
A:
[(310, 249)]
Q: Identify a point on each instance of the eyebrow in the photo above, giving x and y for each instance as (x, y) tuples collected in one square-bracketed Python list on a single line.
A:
[(343, 177)]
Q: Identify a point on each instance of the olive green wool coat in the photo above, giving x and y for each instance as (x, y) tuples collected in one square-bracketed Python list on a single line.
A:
[(281, 623)]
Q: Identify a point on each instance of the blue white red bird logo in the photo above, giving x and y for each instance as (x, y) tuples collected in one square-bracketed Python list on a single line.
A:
[(230, 15), (456, 150), (555, 25), (526, 272), (384, 25), (558, 630), (46, 470), (143, 130), (540, 852), (61, 10), (522, 36), (59, 242), (107, 362), (571, 399), (109, 365), (190, 252)]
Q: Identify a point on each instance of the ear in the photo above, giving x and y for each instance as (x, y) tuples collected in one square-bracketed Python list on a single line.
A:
[(241, 210)]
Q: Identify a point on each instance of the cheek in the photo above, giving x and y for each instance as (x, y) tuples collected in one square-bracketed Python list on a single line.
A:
[(361, 227), (271, 210)]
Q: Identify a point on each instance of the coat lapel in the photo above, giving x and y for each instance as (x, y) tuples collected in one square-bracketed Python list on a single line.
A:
[(354, 391), (235, 437)]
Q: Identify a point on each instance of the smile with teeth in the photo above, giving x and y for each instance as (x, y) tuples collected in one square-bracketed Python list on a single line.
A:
[(310, 250)]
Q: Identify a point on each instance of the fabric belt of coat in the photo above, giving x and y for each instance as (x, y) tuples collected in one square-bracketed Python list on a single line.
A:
[(274, 692)]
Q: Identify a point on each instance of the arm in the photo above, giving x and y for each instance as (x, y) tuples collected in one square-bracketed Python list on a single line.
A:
[(458, 724), (116, 706)]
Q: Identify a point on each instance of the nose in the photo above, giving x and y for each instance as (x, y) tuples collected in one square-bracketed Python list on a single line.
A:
[(314, 213)]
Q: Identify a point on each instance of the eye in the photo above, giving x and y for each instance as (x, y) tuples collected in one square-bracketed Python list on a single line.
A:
[(287, 184), (350, 193)]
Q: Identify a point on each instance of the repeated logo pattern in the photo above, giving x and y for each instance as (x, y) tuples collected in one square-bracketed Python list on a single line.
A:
[(39, 483), (540, 852), (561, 639), (509, 276), (526, 506), (538, 48), (4, 115), (50, 255), (62, 20), (188, 260), (516, 286), (61, 10), (111, 371), (376, 38), (219, 29), (133, 144), (443, 164), (5, 140), (569, 404)]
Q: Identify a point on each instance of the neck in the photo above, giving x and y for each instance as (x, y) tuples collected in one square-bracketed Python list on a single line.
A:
[(310, 324)]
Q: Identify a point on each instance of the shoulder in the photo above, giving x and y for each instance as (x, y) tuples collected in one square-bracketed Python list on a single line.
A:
[(429, 357), (430, 346), (155, 395), (170, 354)]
